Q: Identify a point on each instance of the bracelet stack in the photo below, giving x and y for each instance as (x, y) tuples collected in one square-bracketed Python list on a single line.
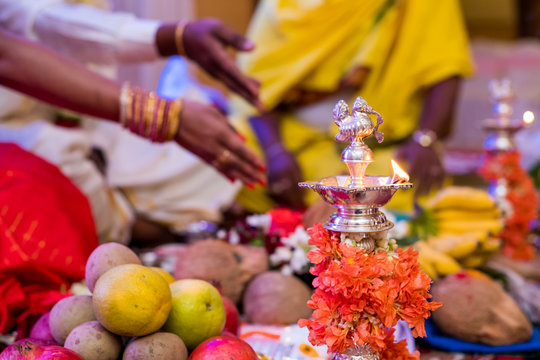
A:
[(425, 138), (148, 115)]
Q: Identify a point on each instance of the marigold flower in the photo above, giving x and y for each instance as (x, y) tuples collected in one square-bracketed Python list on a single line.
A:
[(521, 195), (359, 297)]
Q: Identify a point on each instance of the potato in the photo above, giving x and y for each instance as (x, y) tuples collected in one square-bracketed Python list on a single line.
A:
[(93, 342), (41, 329), (104, 258), (69, 313), (163, 346)]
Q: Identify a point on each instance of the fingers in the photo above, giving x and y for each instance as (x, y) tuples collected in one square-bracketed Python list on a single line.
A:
[(207, 133), (226, 71), (210, 37), (235, 144), (241, 162), (230, 37), (235, 167)]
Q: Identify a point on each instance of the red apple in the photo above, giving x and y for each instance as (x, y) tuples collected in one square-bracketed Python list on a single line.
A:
[(223, 348), (232, 317)]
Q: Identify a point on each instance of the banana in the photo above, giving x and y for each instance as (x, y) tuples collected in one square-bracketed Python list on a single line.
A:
[(456, 246), (479, 236), (491, 245), (453, 214), (474, 261), (443, 264), (429, 269), (457, 197), (492, 226)]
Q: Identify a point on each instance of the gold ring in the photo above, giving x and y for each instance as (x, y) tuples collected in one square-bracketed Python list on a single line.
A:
[(222, 158)]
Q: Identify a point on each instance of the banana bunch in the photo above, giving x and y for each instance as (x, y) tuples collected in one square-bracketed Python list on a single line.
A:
[(466, 222), (435, 262)]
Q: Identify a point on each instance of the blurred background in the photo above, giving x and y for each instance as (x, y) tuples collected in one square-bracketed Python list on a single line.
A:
[(505, 42)]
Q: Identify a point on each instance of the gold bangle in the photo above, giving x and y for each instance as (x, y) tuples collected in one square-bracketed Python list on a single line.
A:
[(137, 98), (149, 113), (179, 37), (174, 119), (159, 119)]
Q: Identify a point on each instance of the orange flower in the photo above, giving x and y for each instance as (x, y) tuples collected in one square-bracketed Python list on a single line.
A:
[(523, 198), (359, 296)]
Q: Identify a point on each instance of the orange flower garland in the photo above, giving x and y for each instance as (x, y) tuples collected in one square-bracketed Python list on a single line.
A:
[(521, 195), (359, 297)]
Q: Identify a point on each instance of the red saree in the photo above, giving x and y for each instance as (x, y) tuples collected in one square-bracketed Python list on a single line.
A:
[(46, 234)]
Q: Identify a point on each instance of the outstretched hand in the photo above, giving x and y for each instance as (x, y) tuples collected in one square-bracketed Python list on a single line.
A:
[(205, 42), (284, 174), (207, 133), (425, 166)]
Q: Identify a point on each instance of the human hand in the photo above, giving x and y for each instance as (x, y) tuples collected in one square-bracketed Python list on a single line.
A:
[(318, 212), (206, 132), (205, 42), (283, 176), (425, 166)]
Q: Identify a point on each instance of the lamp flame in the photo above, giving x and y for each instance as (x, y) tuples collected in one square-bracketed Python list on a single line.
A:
[(400, 176), (528, 117)]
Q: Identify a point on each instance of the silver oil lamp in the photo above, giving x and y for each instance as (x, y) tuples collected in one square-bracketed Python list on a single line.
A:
[(502, 128), (358, 197)]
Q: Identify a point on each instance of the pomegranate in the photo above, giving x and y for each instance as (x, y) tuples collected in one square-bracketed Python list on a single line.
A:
[(36, 349), (232, 317), (223, 348)]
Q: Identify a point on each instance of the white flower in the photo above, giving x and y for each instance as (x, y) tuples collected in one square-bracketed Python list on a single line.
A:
[(506, 207), (400, 230), (286, 270), (280, 255), (299, 237), (234, 238), (260, 222), (299, 260)]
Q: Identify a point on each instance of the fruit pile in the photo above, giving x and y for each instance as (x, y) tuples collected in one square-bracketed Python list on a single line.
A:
[(136, 313), (464, 223)]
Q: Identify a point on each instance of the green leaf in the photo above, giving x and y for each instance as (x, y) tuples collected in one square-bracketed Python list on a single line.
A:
[(424, 224), (407, 240)]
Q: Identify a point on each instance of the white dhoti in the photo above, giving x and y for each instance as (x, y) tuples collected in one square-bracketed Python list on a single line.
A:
[(162, 182)]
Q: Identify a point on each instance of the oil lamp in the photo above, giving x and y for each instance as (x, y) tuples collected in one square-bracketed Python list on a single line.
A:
[(358, 197)]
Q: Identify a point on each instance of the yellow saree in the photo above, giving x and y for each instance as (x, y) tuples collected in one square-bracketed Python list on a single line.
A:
[(407, 45)]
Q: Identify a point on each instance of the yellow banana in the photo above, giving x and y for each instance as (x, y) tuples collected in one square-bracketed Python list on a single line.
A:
[(459, 227), (453, 214), (461, 197), (479, 236), (491, 245), (443, 264), (456, 246), (474, 261), (429, 269)]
